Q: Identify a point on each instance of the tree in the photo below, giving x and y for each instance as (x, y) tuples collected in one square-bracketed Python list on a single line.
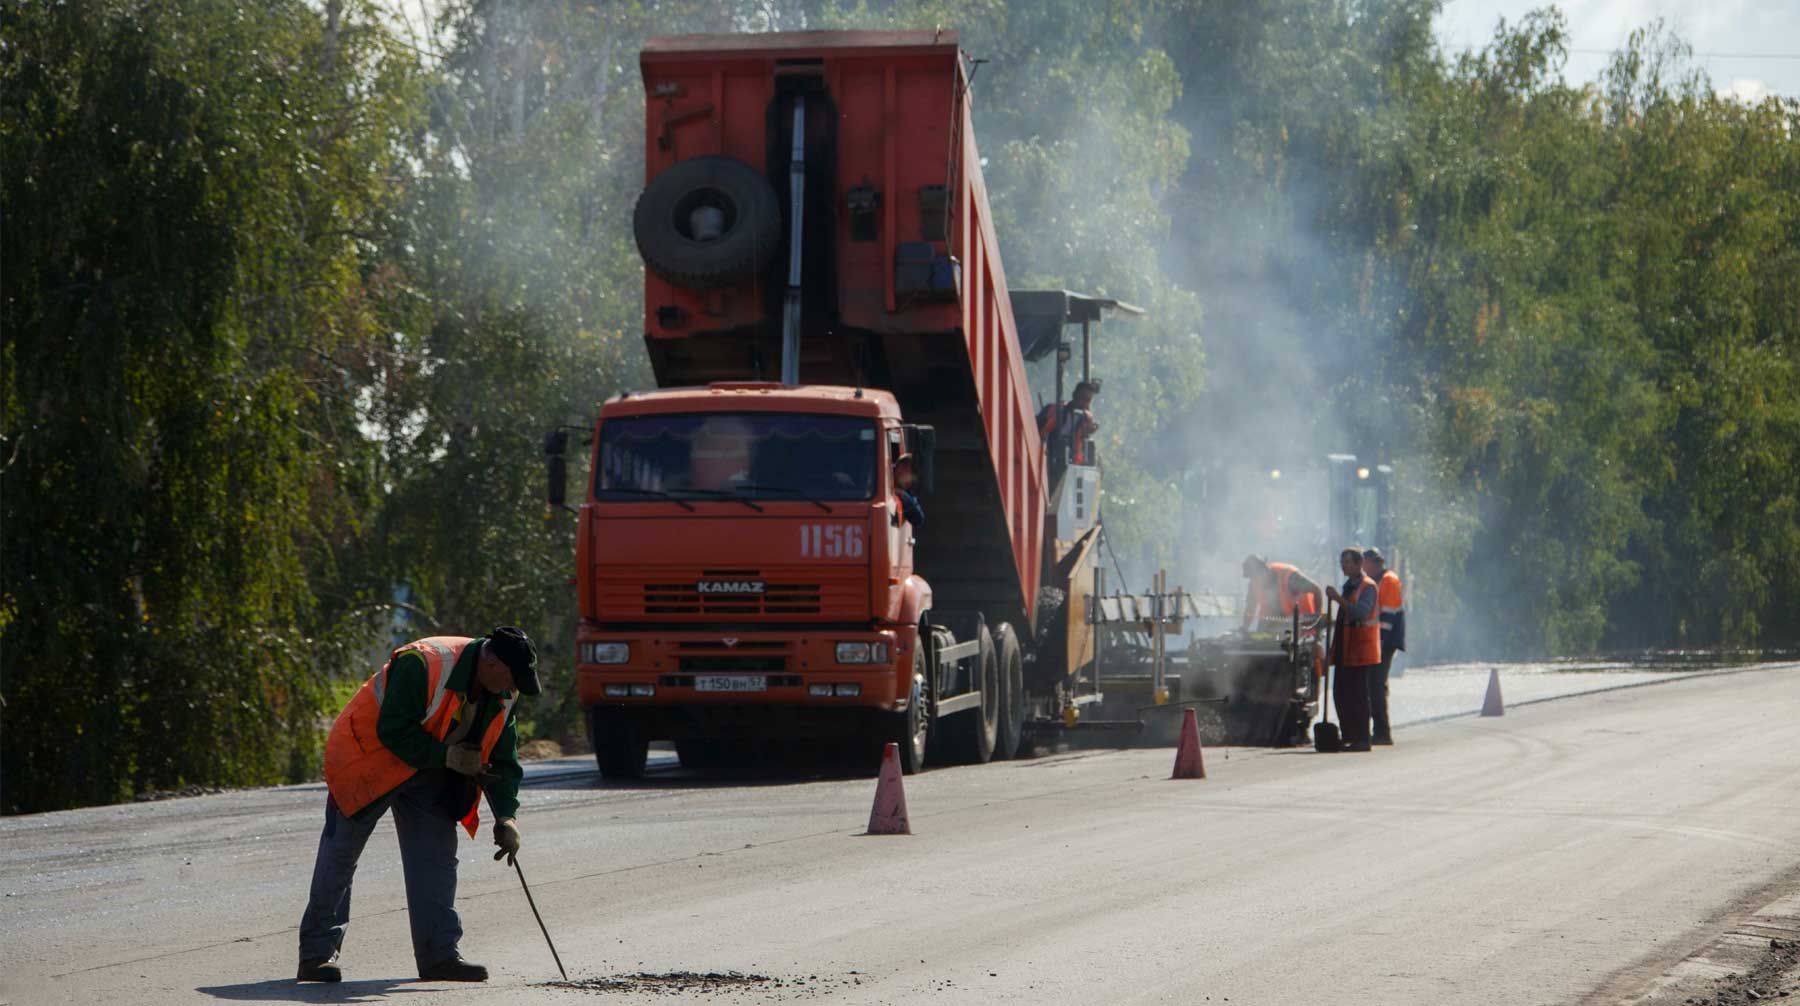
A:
[(189, 197)]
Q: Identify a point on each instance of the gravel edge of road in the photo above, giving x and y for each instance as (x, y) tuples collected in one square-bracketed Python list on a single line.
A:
[(1747, 952)]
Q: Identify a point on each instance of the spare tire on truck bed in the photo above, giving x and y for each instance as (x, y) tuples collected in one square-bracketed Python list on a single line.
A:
[(707, 222)]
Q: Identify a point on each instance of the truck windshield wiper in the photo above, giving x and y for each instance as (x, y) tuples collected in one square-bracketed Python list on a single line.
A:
[(711, 494), (720, 494), (658, 493), (786, 489)]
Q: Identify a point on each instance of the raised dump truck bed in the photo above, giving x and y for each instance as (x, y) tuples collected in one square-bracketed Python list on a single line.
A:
[(827, 317), (901, 281)]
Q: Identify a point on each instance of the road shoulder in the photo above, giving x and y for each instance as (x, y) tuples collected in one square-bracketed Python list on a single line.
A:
[(1749, 953)]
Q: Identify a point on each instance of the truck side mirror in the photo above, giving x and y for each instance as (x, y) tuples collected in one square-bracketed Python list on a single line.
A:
[(924, 452), (556, 444)]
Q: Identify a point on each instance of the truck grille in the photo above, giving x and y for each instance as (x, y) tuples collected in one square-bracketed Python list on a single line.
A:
[(778, 599), (838, 594)]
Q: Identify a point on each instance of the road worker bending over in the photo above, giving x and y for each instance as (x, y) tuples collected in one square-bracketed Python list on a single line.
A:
[(1276, 588), (424, 736)]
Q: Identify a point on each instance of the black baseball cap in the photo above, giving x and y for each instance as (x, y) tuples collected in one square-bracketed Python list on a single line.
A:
[(513, 647)]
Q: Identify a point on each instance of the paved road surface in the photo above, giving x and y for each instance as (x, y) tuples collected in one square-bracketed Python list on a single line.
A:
[(1528, 859)]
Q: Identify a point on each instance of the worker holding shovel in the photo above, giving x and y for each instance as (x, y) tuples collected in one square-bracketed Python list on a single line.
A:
[(1356, 648), (424, 736)]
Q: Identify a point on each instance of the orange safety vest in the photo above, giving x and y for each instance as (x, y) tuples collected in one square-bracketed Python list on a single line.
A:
[(1053, 418), (1285, 597), (1307, 602), (1392, 605), (359, 769), (1359, 643)]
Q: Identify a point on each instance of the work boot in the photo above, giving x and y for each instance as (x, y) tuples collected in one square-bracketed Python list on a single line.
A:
[(454, 969), (323, 969), (1386, 742)]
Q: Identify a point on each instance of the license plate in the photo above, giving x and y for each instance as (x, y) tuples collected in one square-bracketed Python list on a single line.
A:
[(731, 683)]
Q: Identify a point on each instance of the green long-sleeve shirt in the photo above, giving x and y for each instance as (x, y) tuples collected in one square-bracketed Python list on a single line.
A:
[(401, 729)]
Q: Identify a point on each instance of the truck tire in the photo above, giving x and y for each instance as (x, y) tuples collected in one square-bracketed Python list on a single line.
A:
[(910, 729), (620, 749), (1011, 736), (973, 734), (664, 223)]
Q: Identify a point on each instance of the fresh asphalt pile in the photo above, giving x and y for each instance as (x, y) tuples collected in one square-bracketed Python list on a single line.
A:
[(712, 984)]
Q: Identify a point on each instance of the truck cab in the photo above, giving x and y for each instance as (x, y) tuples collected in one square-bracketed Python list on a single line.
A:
[(745, 561)]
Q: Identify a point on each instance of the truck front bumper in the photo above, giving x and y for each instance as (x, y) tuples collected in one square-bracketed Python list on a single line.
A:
[(664, 669)]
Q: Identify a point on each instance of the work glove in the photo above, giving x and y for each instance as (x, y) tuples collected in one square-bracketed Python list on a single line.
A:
[(506, 836), (463, 758)]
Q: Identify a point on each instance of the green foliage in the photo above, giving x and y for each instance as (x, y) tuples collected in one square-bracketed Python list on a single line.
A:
[(1566, 314), (186, 195)]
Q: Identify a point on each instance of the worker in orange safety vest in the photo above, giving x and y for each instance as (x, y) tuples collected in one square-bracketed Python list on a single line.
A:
[(1066, 428), (425, 736), (1392, 603), (1356, 648), (1276, 589)]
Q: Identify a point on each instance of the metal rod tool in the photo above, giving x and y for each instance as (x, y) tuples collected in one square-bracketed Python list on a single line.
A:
[(540, 919)]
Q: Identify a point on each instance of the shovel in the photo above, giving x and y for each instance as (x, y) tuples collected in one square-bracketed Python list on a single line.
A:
[(1325, 733)]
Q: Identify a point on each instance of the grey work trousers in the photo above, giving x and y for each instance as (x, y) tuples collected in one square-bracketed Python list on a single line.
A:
[(427, 858)]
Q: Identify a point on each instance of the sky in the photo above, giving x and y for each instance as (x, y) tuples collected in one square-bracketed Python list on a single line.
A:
[(1749, 48)]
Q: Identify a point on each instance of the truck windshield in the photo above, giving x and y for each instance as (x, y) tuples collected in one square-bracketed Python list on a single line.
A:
[(744, 455)]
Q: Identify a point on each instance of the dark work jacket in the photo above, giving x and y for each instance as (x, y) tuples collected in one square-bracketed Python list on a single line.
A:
[(910, 508)]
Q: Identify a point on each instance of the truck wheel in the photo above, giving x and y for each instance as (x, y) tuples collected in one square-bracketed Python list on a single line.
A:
[(1012, 693), (911, 729), (973, 734), (620, 750), (707, 222)]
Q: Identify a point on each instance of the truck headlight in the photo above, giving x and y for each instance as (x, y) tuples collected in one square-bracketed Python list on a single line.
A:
[(862, 653), (853, 653), (605, 653)]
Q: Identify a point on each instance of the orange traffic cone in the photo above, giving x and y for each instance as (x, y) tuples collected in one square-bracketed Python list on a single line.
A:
[(1492, 706), (1188, 763), (888, 816)]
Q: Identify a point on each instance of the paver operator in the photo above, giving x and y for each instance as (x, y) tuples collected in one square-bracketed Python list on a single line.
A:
[(1065, 428), (1356, 648), (424, 736), (1276, 588), (1392, 601)]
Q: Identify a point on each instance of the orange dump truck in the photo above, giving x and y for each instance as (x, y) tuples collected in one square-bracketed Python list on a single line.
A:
[(823, 294)]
